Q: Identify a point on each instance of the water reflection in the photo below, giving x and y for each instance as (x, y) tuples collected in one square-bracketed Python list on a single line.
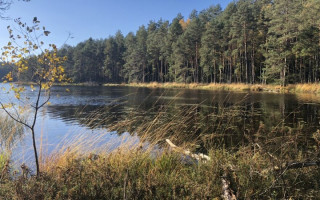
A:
[(226, 117), (210, 112)]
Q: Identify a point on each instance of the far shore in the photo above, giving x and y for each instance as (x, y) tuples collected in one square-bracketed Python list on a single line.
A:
[(292, 88), (310, 88)]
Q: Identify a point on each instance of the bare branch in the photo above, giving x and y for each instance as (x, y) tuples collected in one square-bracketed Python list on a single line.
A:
[(4, 6), (37, 106), (14, 118), (47, 100)]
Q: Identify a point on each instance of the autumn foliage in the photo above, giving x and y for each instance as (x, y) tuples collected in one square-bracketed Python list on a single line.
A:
[(25, 52)]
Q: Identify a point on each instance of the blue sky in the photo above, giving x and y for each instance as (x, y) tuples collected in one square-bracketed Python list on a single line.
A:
[(97, 18)]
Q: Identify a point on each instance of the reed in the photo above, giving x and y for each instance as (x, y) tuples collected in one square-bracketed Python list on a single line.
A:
[(10, 132), (139, 165), (292, 88), (141, 173)]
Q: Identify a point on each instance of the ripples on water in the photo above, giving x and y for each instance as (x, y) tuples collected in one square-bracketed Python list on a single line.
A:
[(70, 112)]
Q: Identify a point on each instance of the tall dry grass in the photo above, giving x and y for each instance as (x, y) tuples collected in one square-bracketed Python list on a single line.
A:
[(132, 171), (140, 165), (308, 88), (292, 88), (10, 132)]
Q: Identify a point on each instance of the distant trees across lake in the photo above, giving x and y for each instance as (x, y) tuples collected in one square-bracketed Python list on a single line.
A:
[(262, 41)]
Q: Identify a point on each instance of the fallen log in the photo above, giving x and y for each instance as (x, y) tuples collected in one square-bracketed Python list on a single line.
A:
[(226, 190), (199, 156), (298, 165)]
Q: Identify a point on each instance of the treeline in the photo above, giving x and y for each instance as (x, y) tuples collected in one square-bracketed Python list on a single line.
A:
[(250, 41)]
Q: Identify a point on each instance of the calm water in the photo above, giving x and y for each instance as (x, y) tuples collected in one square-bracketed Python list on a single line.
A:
[(206, 112)]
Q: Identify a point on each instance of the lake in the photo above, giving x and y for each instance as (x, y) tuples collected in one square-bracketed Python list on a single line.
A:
[(224, 118)]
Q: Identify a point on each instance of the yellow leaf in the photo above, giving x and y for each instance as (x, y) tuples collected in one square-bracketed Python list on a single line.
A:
[(17, 95)]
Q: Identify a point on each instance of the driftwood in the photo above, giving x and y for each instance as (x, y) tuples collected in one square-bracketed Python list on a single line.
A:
[(227, 192), (298, 165), (199, 156)]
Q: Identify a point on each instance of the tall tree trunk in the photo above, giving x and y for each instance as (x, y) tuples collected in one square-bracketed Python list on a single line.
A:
[(230, 69), (35, 151), (253, 74), (197, 67), (283, 78), (143, 73), (246, 54), (214, 72), (161, 71), (222, 67), (300, 72)]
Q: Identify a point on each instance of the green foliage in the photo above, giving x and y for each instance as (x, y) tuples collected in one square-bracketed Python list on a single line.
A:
[(3, 161), (114, 52), (88, 59), (260, 41)]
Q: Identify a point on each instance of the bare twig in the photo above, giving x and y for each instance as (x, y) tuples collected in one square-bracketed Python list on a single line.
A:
[(226, 190)]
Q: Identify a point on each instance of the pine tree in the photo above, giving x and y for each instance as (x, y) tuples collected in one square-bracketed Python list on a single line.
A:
[(192, 37), (113, 62), (282, 34), (210, 50)]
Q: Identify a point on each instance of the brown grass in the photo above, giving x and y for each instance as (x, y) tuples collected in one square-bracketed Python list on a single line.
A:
[(293, 88)]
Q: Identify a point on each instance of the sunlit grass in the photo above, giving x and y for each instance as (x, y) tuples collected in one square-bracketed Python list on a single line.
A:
[(292, 88), (257, 87), (312, 88), (142, 166), (10, 132), (132, 172)]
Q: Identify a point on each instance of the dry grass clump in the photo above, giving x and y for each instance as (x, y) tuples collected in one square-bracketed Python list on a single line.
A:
[(308, 88), (175, 85), (147, 172), (10, 132), (125, 173)]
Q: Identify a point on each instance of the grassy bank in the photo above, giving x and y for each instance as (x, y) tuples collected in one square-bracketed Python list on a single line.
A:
[(294, 88), (133, 173), (258, 169)]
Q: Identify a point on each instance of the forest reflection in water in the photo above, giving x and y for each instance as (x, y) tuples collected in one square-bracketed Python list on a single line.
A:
[(206, 118), (227, 118)]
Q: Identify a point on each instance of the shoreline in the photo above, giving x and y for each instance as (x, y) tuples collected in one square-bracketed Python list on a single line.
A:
[(293, 88), (308, 88)]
